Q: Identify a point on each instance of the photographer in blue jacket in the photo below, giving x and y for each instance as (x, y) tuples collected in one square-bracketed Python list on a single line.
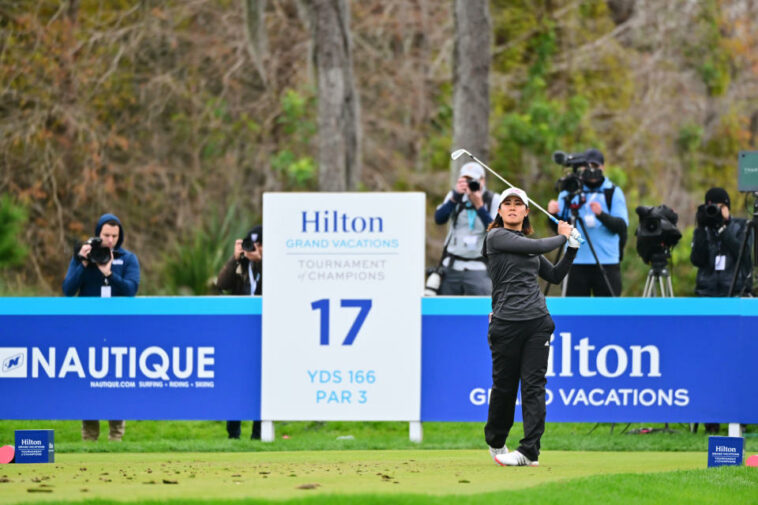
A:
[(101, 267)]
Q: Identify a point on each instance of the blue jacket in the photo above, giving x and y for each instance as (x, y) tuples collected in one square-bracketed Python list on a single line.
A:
[(606, 242), (87, 281)]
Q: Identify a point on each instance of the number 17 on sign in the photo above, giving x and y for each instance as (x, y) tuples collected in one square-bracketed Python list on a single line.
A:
[(323, 307)]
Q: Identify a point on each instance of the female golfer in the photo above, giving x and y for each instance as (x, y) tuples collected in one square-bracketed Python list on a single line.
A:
[(520, 325)]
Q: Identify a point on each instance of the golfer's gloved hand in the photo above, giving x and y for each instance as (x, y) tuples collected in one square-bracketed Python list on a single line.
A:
[(573, 240)]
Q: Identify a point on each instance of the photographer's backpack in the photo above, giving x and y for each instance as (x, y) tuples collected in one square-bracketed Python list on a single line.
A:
[(622, 236)]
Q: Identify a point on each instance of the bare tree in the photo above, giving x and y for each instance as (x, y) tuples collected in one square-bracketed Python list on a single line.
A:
[(471, 69), (339, 131), (255, 34)]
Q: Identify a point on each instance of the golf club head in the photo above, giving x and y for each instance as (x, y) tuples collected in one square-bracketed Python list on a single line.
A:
[(458, 153)]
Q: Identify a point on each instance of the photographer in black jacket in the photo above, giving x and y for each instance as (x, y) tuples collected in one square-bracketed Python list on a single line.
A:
[(716, 245), (241, 275)]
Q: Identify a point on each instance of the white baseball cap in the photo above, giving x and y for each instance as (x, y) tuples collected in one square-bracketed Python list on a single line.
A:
[(515, 192), (472, 169)]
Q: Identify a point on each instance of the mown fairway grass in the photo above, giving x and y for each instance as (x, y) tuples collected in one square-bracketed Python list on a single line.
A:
[(378, 465), (280, 475)]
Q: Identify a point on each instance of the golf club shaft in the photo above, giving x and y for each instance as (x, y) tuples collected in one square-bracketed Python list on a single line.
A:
[(550, 216)]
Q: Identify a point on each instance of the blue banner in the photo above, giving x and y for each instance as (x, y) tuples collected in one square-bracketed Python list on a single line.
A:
[(633, 360), (611, 360), (122, 358)]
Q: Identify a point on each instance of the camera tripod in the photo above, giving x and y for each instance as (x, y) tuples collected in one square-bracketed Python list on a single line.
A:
[(659, 277), (750, 231), (573, 220)]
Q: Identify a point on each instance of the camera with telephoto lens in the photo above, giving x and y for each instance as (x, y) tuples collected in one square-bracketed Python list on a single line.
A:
[(433, 280), (709, 214), (98, 253), (657, 233), (474, 185), (248, 245)]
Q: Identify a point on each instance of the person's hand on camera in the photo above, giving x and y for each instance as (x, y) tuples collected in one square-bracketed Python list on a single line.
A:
[(552, 207), (461, 188), (238, 252), (84, 252), (573, 239), (596, 208), (106, 269), (564, 229)]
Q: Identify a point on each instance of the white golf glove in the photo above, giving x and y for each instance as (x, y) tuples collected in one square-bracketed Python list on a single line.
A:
[(573, 240)]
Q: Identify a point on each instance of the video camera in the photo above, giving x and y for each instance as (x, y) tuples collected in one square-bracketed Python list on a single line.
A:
[(98, 254), (657, 233), (571, 182)]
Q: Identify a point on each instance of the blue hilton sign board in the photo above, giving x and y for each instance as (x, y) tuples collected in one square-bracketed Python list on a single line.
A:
[(35, 446), (725, 451)]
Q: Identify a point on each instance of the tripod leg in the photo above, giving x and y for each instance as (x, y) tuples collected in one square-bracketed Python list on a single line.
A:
[(663, 289), (671, 286), (738, 265), (594, 254)]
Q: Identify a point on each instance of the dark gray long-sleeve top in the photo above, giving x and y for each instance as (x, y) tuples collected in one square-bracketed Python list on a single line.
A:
[(514, 262)]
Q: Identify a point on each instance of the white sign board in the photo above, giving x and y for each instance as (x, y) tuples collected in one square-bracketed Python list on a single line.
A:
[(344, 277)]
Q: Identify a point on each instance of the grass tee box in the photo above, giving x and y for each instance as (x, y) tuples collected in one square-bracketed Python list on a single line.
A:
[(35, 446)]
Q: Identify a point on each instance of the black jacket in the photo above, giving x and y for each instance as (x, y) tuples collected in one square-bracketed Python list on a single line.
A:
[(235, 278), (707, 243)]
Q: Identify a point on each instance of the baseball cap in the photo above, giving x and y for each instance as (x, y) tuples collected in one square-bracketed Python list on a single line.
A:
[(515, 192), (593, 155), (256, 234), (472, 169)]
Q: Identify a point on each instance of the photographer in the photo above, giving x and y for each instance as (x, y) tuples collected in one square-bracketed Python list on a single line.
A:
[(470, 208), (242, 275), (601, 206), (101, 267), (716, 245)]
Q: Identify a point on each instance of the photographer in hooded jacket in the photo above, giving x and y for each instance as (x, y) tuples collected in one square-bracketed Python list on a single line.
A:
[(242, 275), (101, 267), (716, 245), (469, 207)]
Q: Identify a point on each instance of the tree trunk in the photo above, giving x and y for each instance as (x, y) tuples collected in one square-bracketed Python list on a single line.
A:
[(471, 69), (338, 108), (255, 33)]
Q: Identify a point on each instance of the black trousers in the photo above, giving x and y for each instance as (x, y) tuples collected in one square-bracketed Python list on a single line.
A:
[(234, 429), (519, 353), (587, 280)]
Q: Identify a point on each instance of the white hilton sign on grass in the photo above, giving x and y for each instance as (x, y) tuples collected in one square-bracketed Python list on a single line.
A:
[(342, 306)]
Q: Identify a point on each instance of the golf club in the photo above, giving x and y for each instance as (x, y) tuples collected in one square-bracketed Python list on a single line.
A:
[(460, 152)]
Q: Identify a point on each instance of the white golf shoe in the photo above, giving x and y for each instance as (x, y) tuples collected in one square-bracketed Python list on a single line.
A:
[(494, 453), (514, 458)]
